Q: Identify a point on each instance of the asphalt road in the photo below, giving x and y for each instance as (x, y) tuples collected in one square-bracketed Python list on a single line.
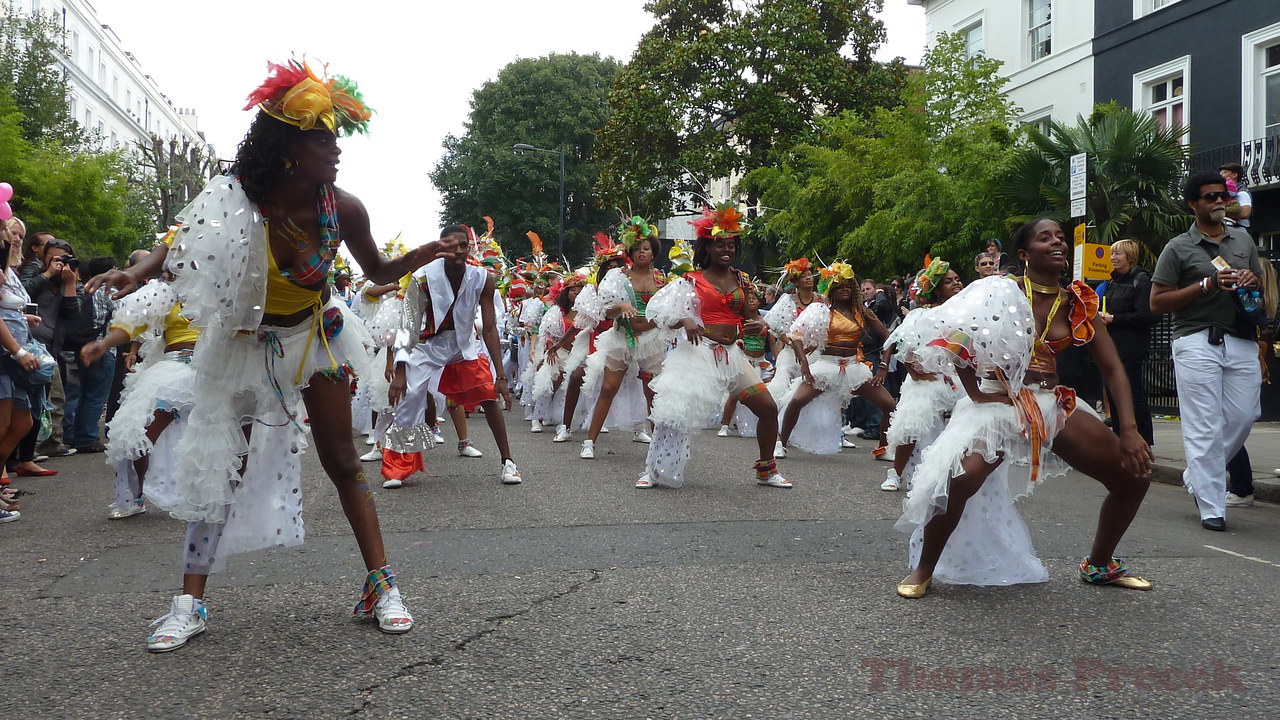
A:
[(577, 596)]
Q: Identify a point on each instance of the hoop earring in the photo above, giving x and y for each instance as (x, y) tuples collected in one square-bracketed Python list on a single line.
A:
[(288, 167)]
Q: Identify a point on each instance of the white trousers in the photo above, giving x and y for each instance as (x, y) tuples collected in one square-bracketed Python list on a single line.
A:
[(1219, 399)]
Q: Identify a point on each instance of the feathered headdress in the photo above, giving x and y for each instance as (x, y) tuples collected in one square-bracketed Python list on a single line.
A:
[(681, 256), (394, 247), (606, 249), (929, 279), (293, 93), (796, 268), (634, 229), (837, 274), (723, 221)]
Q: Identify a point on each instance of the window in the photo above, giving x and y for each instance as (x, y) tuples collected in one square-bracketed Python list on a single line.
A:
[(115, 140), (1040, 28), (89, 65), (75, 46), (1162, 92), (115, 88), (1271, 92), (1039, 119), (1146, 7), (972, 40)]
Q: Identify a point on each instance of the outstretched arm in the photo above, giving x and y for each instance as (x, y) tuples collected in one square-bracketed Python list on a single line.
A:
[(359, 240)]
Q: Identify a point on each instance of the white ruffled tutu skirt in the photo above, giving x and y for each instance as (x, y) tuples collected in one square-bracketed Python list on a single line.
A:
[(692, 387), (629, 409), (817, 430), (991, 545), (167, 385), (921, 407), (254, 380)]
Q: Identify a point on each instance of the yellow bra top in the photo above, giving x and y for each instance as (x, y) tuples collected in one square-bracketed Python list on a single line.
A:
[(283, 297), (177, 328)]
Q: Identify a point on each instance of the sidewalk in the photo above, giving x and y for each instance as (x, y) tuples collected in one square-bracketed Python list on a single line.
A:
[(1264, 455)]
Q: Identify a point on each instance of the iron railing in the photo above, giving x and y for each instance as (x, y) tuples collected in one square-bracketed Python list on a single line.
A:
[(1260, 158)]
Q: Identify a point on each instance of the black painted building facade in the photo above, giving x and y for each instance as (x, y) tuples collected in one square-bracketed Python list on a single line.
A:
[(1211, 64)]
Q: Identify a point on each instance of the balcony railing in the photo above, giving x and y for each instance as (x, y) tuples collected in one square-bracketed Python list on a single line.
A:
[(1260, 158)]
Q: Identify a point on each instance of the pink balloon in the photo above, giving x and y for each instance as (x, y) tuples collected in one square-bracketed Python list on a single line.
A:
[(6, 192), (6, 212)]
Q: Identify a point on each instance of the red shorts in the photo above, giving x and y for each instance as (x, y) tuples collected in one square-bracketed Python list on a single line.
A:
[(468, 383), (399, 466)]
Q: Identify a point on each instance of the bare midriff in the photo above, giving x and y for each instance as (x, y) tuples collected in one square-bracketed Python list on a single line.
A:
[(723, 334)]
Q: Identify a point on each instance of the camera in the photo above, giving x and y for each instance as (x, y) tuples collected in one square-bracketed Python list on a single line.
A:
[(71, 261)]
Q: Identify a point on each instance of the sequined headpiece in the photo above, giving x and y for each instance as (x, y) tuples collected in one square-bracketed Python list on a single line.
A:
[(293, 93)]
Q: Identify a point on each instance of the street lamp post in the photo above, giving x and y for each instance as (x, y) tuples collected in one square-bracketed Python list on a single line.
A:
[(521, 147)]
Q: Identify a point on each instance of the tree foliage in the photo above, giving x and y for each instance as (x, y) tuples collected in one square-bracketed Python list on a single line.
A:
[(169, 173), (1135, 171), (884, 190), (719, 87), (555, 103), (62, 183)]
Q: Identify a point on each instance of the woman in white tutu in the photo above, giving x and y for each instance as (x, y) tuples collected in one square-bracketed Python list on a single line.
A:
[(251, 264), (831, 367), (800, 276), (1003, 336), (158, 395), (631, 351), (565, 343), (926, 397), (591, 320), (711, 306)]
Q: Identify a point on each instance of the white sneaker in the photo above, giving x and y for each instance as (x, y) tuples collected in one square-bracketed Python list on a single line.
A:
[(374, 455), (184, 621), (510, 473), (436, 437), (775, 480), (604, 430), (588, 450), (853, 430), (779, 451), (845, 443), (466, 449), (645, 481), (562, 433), (134, 508), (891, 481), (536, 427), (393, 617), (392, 484), (440, 419), (642, 437), (724, 431), (1234, 500), (369, 439)]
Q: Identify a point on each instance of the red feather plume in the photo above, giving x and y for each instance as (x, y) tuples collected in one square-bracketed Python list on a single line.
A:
[(279, 80)]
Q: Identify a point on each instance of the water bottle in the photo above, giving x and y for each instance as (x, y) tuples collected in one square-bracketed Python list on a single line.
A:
[(1249, 300)]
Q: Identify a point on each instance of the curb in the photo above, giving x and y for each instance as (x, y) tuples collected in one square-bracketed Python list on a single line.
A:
[(1266, 490)]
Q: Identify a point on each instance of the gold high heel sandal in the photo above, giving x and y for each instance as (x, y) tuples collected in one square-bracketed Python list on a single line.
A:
[(912, 592)]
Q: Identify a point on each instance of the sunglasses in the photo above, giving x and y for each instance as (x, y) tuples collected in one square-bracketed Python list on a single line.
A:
[(987, 264), (1216, 196)]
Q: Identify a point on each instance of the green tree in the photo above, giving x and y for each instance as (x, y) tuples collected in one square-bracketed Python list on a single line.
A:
[(29, 71), (1135, 171), (555, 103), (882, 191), (719, 87)]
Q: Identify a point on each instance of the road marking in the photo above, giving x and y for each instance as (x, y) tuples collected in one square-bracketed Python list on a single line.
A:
[(1243, 557)]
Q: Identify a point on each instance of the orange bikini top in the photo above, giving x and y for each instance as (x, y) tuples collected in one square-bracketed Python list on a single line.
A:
[(1084, 307), (721, 308), (843, 331)]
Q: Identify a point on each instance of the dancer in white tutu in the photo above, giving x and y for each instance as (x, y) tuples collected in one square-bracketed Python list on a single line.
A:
[(1003, 336), (158, 395), (251, 264), (926, 397), (631, 351), (564, 342), (590, 320), (799, 282), (831, 367), (754, 346), (711, 307)]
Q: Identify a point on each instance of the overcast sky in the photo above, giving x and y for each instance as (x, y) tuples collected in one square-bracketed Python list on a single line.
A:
[(416, 61)]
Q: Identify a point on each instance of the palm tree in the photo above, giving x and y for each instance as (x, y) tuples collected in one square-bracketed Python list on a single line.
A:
[(1136, 168)]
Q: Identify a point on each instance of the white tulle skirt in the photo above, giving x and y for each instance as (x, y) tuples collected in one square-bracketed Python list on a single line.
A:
[(251, 380), (817, 430), (167, 385), (692, 387), (921, 407), (995, 546), (629, 409)]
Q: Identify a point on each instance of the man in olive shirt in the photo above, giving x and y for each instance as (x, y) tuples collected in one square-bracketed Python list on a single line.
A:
[(1215, 364)]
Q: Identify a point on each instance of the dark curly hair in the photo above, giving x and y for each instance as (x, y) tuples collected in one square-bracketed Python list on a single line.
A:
[(262, 154), (655, 245)]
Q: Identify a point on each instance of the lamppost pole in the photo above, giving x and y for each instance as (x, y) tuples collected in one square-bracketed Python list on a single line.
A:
[(522, 147)]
